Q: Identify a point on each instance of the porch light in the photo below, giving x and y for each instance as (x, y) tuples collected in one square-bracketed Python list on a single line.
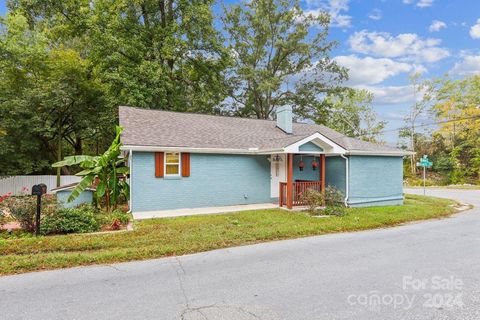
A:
[(277, 159), (301, 164), (314, 164)]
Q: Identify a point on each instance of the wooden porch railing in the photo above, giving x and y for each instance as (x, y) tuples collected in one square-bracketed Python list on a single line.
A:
[(299, 187)]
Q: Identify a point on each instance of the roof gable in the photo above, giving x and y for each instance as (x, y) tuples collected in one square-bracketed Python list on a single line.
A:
[(310, 147)]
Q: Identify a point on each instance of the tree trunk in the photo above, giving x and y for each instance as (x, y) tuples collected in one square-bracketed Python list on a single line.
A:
[(59, 158), (412, 161), (78, 146), (107, 198)]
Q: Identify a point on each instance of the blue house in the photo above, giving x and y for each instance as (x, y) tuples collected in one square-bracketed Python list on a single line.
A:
[(183, 160)]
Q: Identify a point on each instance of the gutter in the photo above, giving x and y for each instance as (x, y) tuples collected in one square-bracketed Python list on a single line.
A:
[(347, 179), (130, 162)]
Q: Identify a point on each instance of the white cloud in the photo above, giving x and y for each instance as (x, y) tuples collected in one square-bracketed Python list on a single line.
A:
[(376, 14), (424, 3), (405, 46), (370, 70), (475, 30), (437, 25), (335, 8), (420, 3), (469, 65), (387, 95)]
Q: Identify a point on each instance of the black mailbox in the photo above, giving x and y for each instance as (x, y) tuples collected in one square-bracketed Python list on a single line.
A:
[(44, 188), (37, 190)]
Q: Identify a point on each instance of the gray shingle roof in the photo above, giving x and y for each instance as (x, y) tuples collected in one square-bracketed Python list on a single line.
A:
[(155, 128)]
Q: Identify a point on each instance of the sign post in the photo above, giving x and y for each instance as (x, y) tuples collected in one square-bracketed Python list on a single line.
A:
[(425, 163)]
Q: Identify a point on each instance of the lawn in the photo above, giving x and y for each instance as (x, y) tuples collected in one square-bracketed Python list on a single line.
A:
[(176, 236), (452, 186)]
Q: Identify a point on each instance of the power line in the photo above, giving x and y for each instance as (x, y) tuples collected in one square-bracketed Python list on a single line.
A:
[(425, 125)]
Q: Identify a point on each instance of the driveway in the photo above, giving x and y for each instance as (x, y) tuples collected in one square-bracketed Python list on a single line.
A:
[(425, 270)]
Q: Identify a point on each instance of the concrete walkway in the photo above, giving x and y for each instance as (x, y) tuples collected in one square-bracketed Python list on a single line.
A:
[(425, 270), (198, 211)]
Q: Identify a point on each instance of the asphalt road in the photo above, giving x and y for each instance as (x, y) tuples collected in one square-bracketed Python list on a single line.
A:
[(426, 270)]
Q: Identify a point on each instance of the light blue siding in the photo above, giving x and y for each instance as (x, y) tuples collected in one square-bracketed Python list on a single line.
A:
[(335, 172), (86, 197), (215, 180), (310, 146), (308, 173), (375, 180)]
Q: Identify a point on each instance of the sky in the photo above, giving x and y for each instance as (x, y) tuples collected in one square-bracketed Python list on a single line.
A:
[(382, 42)]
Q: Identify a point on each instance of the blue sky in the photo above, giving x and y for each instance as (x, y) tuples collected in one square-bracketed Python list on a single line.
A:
[(383, 41)]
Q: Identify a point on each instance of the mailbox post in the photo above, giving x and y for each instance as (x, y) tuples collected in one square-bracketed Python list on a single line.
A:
[(38, 190)]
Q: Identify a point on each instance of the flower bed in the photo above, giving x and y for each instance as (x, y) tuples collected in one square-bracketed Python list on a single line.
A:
[(17, 218)]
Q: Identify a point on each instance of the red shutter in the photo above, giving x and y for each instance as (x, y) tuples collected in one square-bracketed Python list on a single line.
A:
[(159, 158), (185, 164)]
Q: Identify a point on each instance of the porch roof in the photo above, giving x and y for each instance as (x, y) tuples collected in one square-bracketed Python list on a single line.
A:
[(146, 129)]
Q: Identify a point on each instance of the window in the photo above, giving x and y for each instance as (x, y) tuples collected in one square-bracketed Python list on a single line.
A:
[(172, 163)]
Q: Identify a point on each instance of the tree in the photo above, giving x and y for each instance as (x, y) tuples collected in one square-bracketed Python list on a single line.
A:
[(49, 96), (280, 57), (456, 106), (416, 111), (163, 54), (106, 168), (350, 112)]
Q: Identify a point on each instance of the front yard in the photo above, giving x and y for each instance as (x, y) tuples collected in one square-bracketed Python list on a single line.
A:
[(176, 236)]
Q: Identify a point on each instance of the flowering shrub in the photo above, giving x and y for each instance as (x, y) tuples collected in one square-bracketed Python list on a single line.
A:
[(4, 197), (3, 214), (23, 209)]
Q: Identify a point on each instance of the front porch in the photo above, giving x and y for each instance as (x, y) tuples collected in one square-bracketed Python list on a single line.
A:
[(300, 176)]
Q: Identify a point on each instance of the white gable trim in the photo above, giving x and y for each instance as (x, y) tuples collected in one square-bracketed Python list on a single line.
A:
[(328, 146)]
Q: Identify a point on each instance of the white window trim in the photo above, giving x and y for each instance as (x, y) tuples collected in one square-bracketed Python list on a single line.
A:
[(179, 165)]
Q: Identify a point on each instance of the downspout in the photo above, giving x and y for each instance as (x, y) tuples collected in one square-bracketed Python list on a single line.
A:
[(130, 162), (347, 178)]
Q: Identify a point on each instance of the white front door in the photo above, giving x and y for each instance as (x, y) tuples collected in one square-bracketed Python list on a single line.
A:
[(278, 173)]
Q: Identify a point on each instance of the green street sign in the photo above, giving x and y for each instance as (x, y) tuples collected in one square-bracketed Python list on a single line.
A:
[(424, 162)]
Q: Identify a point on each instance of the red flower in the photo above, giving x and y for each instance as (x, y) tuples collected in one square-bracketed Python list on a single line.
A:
[(2, 198)]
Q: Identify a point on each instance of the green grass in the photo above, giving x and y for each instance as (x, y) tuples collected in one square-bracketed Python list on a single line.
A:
[(452, 186), (176, 236)]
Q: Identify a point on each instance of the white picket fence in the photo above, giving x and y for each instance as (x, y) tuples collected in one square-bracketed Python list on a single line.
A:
[(16, 184)]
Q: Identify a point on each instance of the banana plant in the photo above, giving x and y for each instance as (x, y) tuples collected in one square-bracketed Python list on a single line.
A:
[(106, 168)]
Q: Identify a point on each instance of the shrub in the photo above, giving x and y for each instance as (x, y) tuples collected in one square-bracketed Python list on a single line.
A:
[(334, 196), (119, 215), (334, 211), (70, 220), (117, 219), (334, 201), (313, 199), (114, 220), (23, 210), (3, 215)]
